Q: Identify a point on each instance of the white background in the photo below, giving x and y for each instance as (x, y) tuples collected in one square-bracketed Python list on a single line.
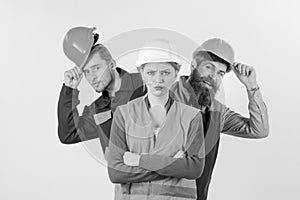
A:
[(35, 165)]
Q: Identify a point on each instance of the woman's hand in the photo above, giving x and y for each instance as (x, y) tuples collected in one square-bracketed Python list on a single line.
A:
[(131, 159), (180, 154)]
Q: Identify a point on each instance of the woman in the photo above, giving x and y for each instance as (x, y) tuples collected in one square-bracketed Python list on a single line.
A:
[(156, 148)]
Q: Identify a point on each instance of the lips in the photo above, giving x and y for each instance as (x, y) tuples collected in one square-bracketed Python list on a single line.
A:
[(158, 87), (96, 83), (207, 83)]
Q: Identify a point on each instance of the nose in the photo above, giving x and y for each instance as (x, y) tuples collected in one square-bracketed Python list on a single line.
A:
[(93, 77), (159, 78), (213, 76)]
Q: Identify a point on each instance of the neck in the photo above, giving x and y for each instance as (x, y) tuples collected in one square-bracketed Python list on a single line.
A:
[(158, 100), (115, 84)]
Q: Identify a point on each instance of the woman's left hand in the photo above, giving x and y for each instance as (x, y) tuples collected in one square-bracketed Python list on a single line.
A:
[(131, 159)]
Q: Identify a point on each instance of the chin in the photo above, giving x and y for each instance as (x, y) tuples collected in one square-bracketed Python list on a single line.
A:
[(159, 93), (210, 88), (98, 89)]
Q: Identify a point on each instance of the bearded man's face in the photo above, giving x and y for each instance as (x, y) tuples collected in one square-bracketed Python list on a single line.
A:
[(204, 87)]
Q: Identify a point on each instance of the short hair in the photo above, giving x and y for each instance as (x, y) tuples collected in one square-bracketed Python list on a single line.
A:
[(208, 56), (102, 51)]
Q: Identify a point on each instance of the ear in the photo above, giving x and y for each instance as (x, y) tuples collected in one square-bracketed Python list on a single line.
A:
[(141, 70), (176, 73), (193, 64), (112, 64)]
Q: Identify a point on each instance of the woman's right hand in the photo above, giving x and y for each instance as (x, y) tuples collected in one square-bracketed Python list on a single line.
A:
[(180, 154)]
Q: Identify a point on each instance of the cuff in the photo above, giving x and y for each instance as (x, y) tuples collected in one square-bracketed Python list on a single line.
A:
[(254, 95), (70, 92)]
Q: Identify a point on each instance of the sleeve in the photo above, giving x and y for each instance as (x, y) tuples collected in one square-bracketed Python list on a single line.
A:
[(119, 172), (189, 167), (256, 126), (73, 128), (139, 87)]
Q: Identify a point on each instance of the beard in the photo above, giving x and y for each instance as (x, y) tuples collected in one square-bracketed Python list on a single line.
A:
[(204, 94)]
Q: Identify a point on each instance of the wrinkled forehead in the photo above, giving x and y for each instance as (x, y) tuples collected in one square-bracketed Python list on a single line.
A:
[(158, 66), (94, 60)]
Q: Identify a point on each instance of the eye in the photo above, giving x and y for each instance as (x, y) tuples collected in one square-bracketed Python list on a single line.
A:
[(150, 73), (221, 73), (208, 67), (165, 73), (86, 72), (98, 67)]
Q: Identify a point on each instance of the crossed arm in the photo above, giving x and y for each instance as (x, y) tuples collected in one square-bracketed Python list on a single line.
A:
[(154, 167)]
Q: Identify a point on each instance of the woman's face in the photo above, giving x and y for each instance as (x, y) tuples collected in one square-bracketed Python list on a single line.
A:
[(158, 77)]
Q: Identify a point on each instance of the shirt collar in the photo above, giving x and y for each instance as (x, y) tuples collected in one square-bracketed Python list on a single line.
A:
[(104, 100), (167, 105)]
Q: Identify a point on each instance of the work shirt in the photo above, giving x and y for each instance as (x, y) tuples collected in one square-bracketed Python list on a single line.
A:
[(219, 118), (181, 131), (95, 121)]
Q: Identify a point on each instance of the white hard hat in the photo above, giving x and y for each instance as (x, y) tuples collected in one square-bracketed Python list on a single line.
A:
[(157, 50)]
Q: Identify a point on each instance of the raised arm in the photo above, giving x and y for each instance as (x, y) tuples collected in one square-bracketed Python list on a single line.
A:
[(73, 128), (257, 125)]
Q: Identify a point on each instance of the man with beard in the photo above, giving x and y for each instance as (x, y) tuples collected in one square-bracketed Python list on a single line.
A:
[(211, 61)]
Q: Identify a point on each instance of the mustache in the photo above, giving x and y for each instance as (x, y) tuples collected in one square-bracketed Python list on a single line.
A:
[(197, 79)]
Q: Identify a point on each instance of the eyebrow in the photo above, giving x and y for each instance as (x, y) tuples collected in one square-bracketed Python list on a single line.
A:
[(93, 66), (153, 70), (216, 67), (165, 70)]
